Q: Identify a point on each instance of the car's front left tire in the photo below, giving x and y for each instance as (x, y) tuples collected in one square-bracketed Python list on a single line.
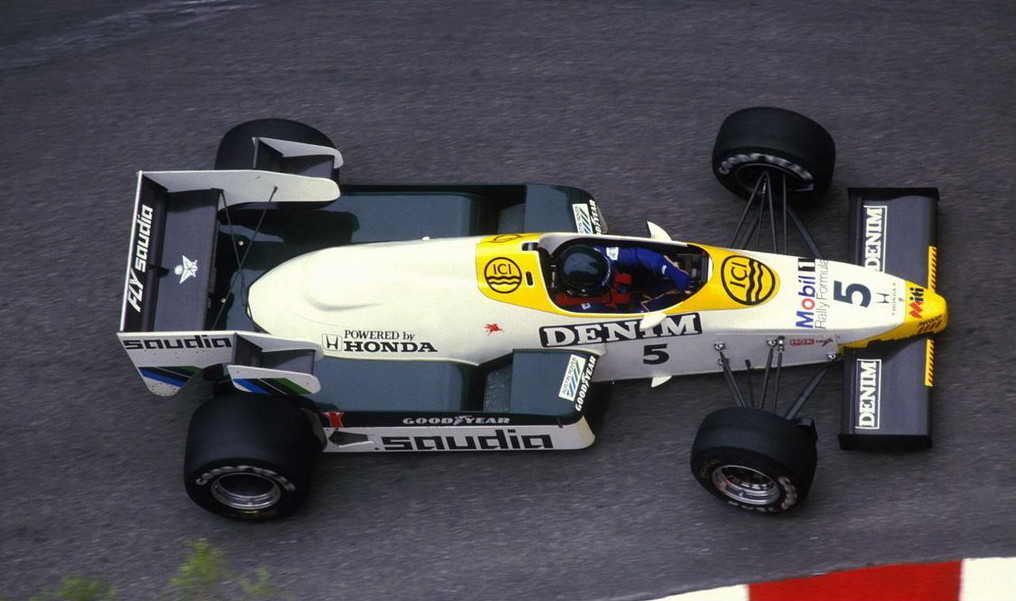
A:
[(772, 140)]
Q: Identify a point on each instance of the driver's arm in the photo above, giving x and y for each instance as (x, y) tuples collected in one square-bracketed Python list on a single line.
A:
[(656, 263)]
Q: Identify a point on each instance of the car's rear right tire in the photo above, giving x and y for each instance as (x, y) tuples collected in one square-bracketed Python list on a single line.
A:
[(249, 456)]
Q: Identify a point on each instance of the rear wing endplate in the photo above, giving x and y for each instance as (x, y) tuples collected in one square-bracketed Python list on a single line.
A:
[(272, 154), (256, 363), (887, 387)]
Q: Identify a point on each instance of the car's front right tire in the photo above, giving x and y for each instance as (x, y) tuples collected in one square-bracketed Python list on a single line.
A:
[(754, 459)]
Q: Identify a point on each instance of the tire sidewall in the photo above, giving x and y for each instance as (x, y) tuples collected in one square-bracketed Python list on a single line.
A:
[(790, 491), (732, 166), (762, 441), (778, 139), (293, 487), (255, 434)]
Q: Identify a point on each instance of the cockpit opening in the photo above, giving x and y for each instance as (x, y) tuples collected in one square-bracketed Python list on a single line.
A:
[(612, 276)]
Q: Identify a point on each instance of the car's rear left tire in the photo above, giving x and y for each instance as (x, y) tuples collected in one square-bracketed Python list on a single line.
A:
[(236, 149), (249, 456), (754, 459)]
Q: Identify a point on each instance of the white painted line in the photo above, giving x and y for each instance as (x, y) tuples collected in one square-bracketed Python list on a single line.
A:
[(991, 579)]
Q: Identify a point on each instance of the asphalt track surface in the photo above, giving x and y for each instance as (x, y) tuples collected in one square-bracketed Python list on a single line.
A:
[(622, 99)]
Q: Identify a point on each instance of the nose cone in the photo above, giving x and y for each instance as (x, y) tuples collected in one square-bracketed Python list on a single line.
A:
[(926, 313)]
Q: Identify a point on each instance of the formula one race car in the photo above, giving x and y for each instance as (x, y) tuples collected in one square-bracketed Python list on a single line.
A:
[(372, 318)]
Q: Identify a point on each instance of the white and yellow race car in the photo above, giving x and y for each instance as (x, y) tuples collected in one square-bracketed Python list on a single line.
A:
[(371, 318)]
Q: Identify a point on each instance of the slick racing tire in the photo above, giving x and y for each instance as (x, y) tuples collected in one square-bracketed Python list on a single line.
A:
[(249, 456), (754, 459), (236, 151), (784, 143)]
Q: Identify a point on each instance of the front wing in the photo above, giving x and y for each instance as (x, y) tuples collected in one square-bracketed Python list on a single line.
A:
[(887, 386)]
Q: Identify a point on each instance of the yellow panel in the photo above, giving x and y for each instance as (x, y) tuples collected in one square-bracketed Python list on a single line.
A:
[(507, 273), (736, 282)]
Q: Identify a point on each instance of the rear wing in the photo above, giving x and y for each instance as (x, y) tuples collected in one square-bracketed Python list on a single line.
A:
[(169, 274), (887, 387), (173, 238)]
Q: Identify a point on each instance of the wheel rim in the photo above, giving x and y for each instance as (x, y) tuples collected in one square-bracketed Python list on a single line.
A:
[(246, 492), (746, 485), (747, 177)]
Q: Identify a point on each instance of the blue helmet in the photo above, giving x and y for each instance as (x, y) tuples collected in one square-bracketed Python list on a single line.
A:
[(583, 271)]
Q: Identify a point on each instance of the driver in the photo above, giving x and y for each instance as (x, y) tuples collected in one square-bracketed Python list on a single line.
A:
[(611, 279)]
